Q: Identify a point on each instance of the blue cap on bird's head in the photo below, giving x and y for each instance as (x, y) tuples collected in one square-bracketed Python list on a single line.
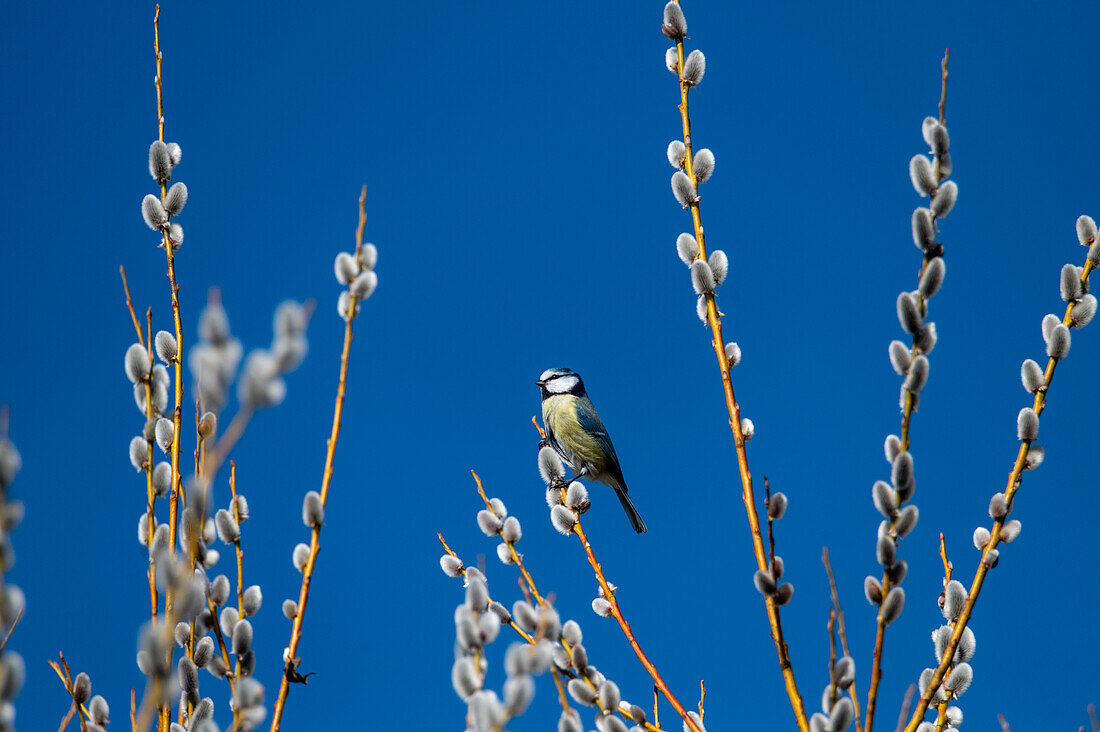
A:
[(560, 381)]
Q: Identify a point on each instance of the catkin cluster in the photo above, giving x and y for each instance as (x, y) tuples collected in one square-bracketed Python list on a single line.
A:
[(12, 601)]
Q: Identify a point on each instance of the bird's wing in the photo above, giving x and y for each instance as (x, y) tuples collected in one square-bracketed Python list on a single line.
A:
[(590, 422)]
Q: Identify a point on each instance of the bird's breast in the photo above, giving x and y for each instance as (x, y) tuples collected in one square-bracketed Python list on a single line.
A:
[(559, 412)]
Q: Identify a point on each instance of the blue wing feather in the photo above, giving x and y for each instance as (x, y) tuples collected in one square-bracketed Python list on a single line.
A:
[(590, 422)]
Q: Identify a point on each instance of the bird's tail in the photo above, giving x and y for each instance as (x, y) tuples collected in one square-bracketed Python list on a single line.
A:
[(631, 512)]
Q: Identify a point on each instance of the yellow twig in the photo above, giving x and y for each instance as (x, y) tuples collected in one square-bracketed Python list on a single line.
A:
[(326, 479), (718, 342), (906, 420), (516, 559), (1015, 479)]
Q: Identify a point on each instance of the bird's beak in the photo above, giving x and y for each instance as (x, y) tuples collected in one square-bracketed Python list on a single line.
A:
[(540, 382)]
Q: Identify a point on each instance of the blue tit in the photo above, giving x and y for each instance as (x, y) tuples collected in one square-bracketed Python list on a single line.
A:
[(575, 431)]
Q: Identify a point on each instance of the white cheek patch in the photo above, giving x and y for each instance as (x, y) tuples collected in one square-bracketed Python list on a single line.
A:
[(562, 385)]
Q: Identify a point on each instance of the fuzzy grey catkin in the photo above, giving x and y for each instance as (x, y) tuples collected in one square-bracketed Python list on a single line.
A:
[(1083, 311), (219, 590), (242, 637), (1010, 531), (300, 556), (964, 651), (609, 695), (940, 141), (363, 286), (601, 607), (719, 266), (251, 600), (1031, 374), (733, 354), (687, 248), (683, 189), (1069, 283), (1050, 322), (900, 357), (82, 688), (702, 278), (550, 465), (175, 199), (675, 152), (908, 313), (918, 374), (345, 268), (882, 495), (1027, 424), (290, 608), (175, 153), (581, 692), (777, 506), (1086, 230), (695, 65), (672, 60), (136, 363), (990, 559), (954, 597), (924, 229), (932, 278), (701, 308), (160, 162), (1058, 345), (152, 210), (922, 175), (175, 234), (845, 672), (886, 551), (891, 447), (488, 522), (188, 675), (892, 605), (784, 593), (165, 434), (981, 537), (162, 479), (576, 495), (313, 511), (703, 165), (901, 474), (511, 531), (165, 344), (139, 453), (840, 718), (765, 583), (872, 589), (906, 521), (675, 25), (959, 679), (748, 429), (944, 200), (998, 506), (228, 530)]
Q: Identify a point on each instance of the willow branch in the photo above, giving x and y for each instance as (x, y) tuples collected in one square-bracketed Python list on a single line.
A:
[(906, 420), (718, 342), (326, 479), (1015, 480)]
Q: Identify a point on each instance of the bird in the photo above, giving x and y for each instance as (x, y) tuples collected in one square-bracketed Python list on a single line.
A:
[(575, 431)]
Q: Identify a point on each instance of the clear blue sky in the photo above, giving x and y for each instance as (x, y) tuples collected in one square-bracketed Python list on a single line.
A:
[(519, 198)]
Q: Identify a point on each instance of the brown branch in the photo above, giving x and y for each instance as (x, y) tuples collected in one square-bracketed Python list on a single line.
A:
[(843, 633), (905, 704), (326, 479)]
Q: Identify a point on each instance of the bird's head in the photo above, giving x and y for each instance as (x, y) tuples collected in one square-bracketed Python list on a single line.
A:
[(560, 381)]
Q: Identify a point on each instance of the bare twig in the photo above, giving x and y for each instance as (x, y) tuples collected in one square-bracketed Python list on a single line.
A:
[(326, 479)]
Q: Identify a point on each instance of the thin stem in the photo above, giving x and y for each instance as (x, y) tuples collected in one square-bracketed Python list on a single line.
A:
[(609, 595), (906, 421), (326, 479), (227, 441), (516, 558), (150, 494), (840, 628), (1004, 723), (1015, 479), (906, 702), (718, 342)]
